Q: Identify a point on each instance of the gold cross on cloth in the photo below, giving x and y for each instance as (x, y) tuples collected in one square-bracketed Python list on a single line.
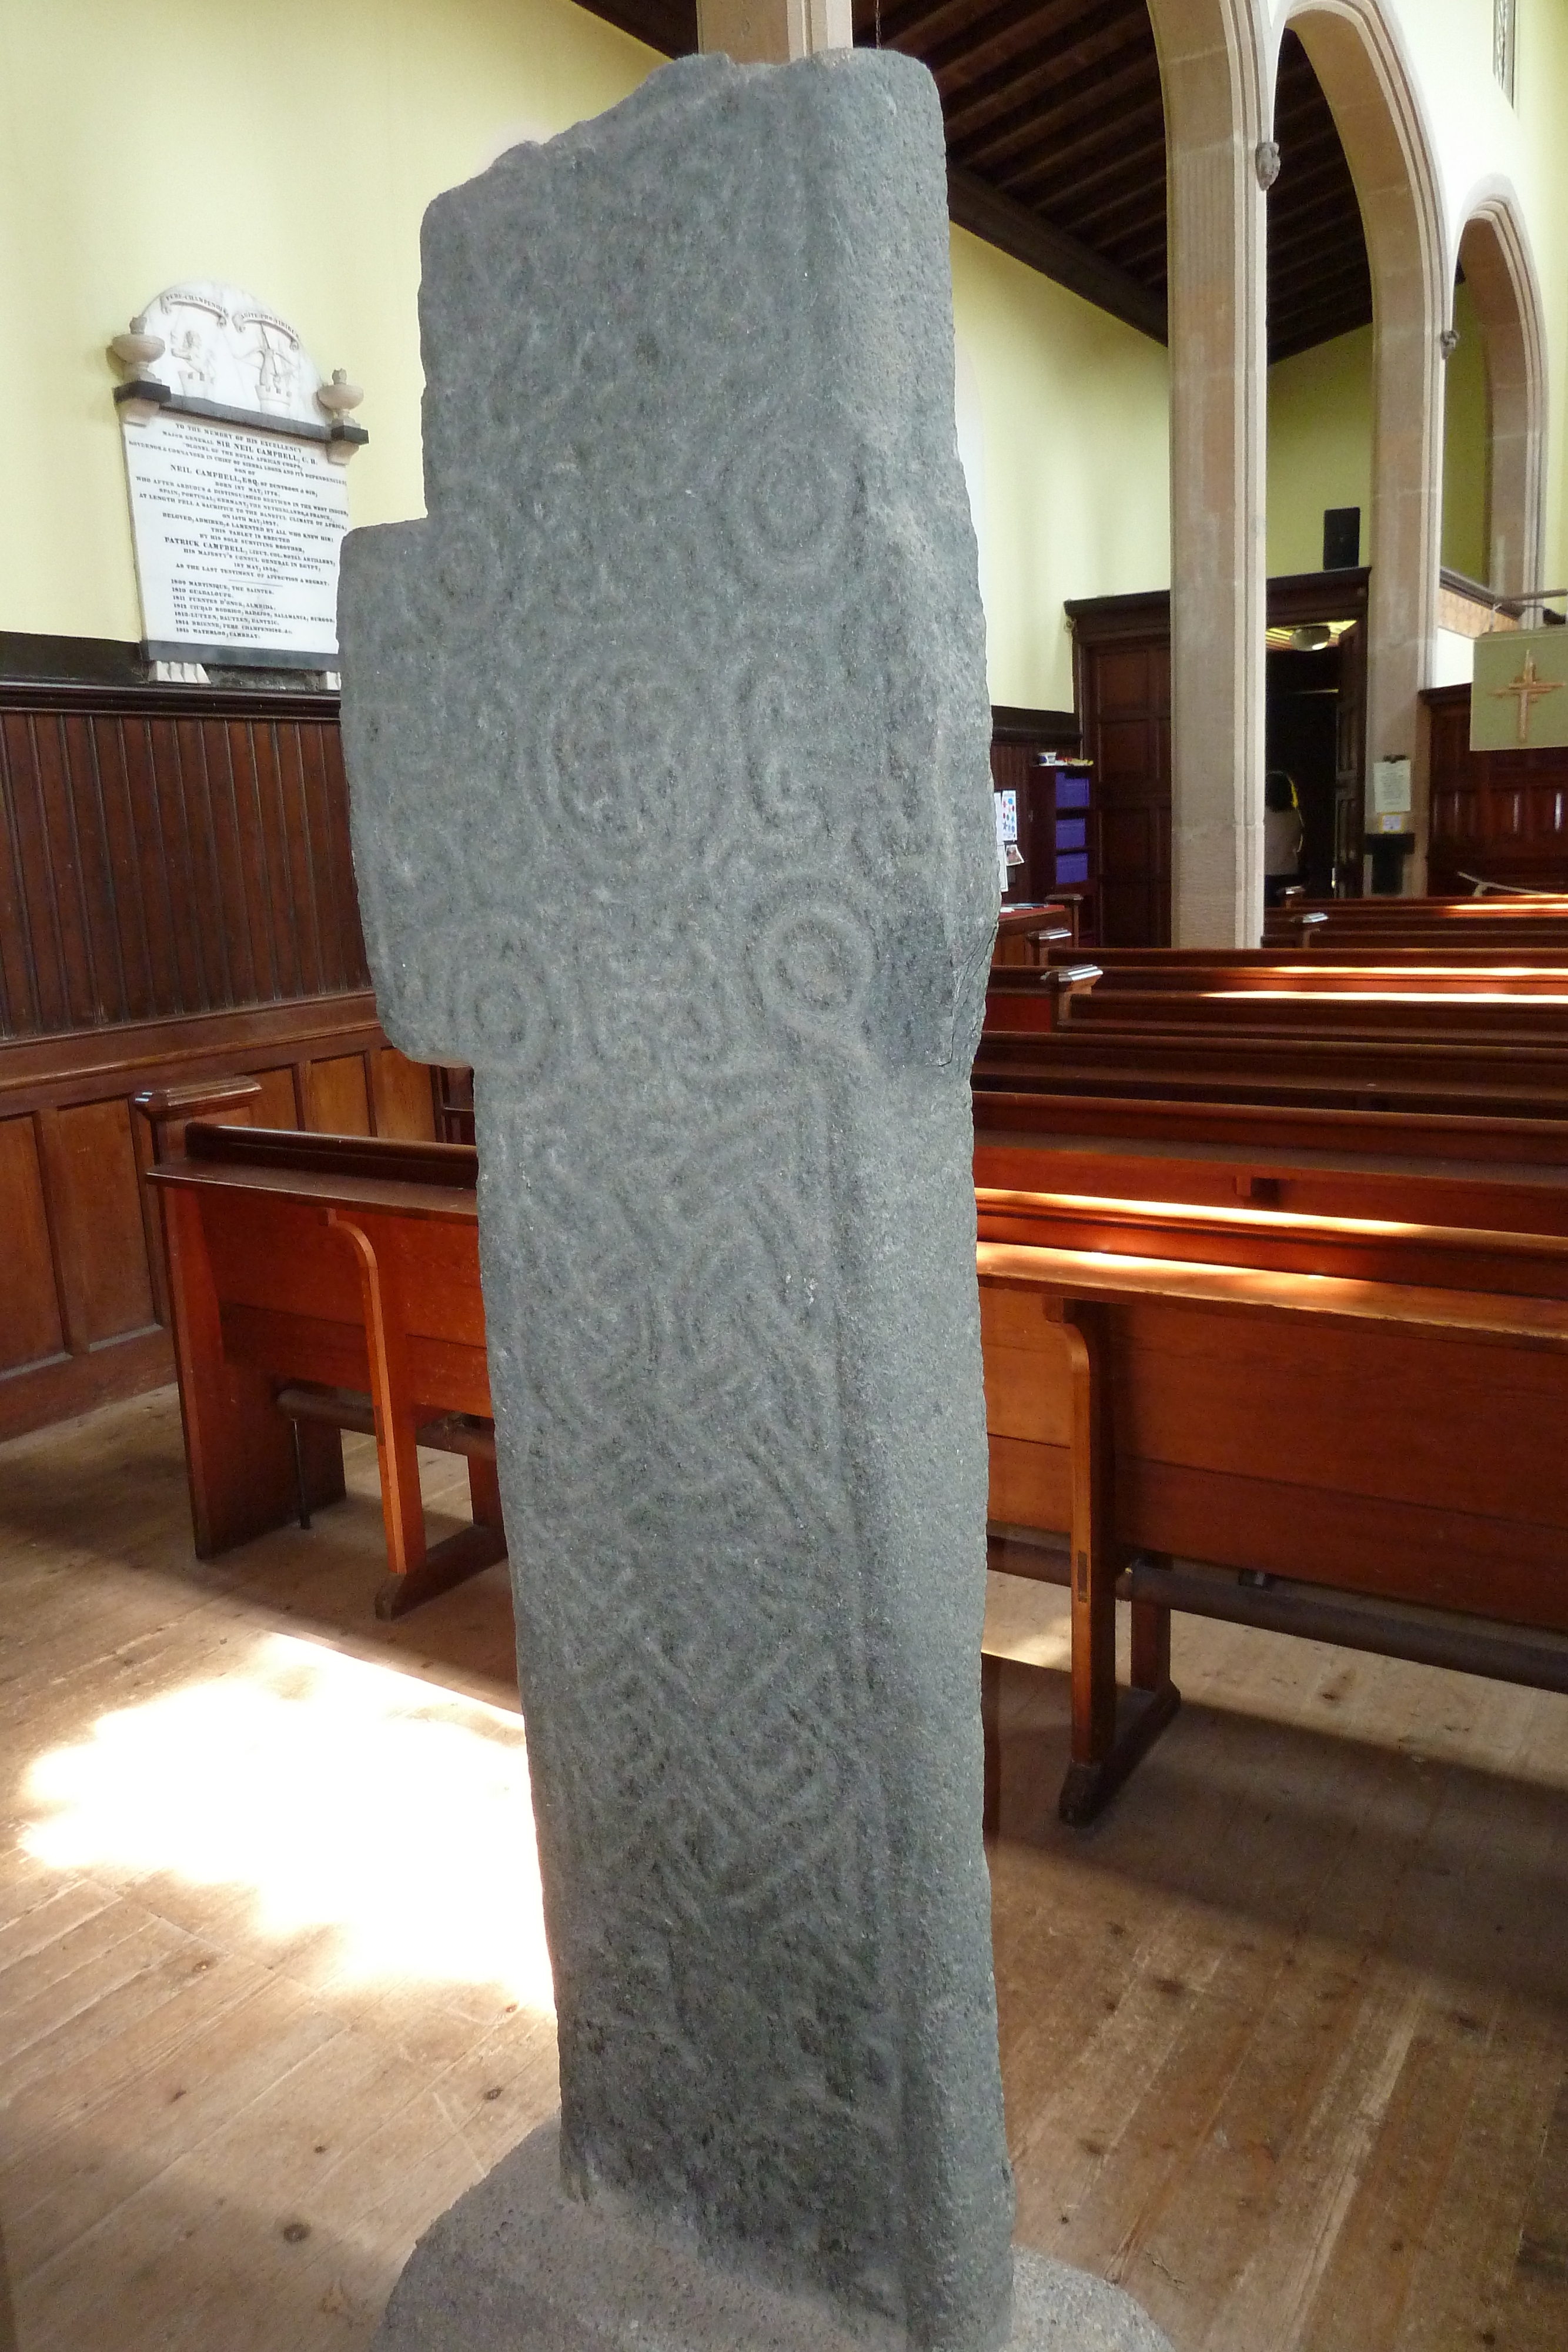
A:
[(1525, 688)]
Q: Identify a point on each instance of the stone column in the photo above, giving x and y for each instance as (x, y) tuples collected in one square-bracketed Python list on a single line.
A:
[(1209, 53), (774, 32)]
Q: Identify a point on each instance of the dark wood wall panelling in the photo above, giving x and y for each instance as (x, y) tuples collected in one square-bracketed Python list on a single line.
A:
[(1500, 816), (159, 860), (176, 902)]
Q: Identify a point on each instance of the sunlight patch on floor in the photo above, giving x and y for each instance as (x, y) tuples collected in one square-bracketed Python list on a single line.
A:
[(1030, 1622), (345, 1794)]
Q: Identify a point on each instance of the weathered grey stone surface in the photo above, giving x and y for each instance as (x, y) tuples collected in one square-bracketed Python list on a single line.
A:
[(517, 2266), (667, 745)]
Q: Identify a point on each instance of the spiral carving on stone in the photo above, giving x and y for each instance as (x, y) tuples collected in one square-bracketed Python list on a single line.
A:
[(492, 1006), (790, 505), (813, 958)]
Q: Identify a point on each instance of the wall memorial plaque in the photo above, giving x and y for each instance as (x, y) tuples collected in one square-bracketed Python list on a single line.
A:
[(234, 457), (237, 541)]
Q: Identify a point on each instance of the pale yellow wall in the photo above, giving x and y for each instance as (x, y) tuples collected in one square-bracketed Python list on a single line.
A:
[(1541, 104), (291, 149), (1320, 447), (1467, 447), (1076, 414), (1482, 144), (288, 147)]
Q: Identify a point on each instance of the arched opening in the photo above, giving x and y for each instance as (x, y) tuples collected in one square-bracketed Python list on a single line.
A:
[(1467, 446), (1319, 476), (1356, 58), (1500, 385)]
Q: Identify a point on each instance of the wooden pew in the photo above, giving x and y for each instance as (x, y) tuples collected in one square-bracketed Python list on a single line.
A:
[(1022, 999), (1397, 1027), (1314, 1166), (1235, 1149), (1406, 1012), (1026, 935), (1339, 1429), (1351, 1072), (1354, 954), (1498, 924), (1188, 1304), (1397, 971), (318, 1282)]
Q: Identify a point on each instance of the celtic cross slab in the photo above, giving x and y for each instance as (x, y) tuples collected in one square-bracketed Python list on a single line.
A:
[(667, 740)]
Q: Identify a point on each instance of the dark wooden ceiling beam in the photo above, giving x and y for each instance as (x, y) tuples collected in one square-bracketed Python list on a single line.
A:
[(1324, 234), (1320, 317), (1087, 156), (1300, 276), (1117, 211), (1146, 234), (1308, 248), (1084, 191), (1330, 309), (668, 26), (1046, 90), (1310, 159), (988, 213), (1133, 235), (971, 47), (1140, 251), (1056, 151), (1294, 277), (1300, 181), (994, 130), (918, 24), (1064, 53), (1327, 226)]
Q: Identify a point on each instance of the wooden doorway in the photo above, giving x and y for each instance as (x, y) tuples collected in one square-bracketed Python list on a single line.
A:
[(1122, 674), (1315, 717)]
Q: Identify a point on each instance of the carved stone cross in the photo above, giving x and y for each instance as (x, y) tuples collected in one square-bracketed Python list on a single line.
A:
[(667, 745)]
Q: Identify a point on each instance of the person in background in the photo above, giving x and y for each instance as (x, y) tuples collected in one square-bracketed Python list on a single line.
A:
[(1284, 833)]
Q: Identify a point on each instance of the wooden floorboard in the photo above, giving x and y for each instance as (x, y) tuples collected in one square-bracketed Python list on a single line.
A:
[(1284, 2037)]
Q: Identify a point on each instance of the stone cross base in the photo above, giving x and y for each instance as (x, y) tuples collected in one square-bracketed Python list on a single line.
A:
[(519, 2266)]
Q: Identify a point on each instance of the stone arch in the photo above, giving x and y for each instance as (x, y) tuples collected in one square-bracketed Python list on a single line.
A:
[(1215, 62), (1495, 255), (1359, 60)]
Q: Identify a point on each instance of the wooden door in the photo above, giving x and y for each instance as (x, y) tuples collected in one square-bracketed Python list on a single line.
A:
[(1124, 699)]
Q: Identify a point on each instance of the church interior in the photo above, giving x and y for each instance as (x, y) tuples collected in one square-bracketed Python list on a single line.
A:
[(1262, 401)]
